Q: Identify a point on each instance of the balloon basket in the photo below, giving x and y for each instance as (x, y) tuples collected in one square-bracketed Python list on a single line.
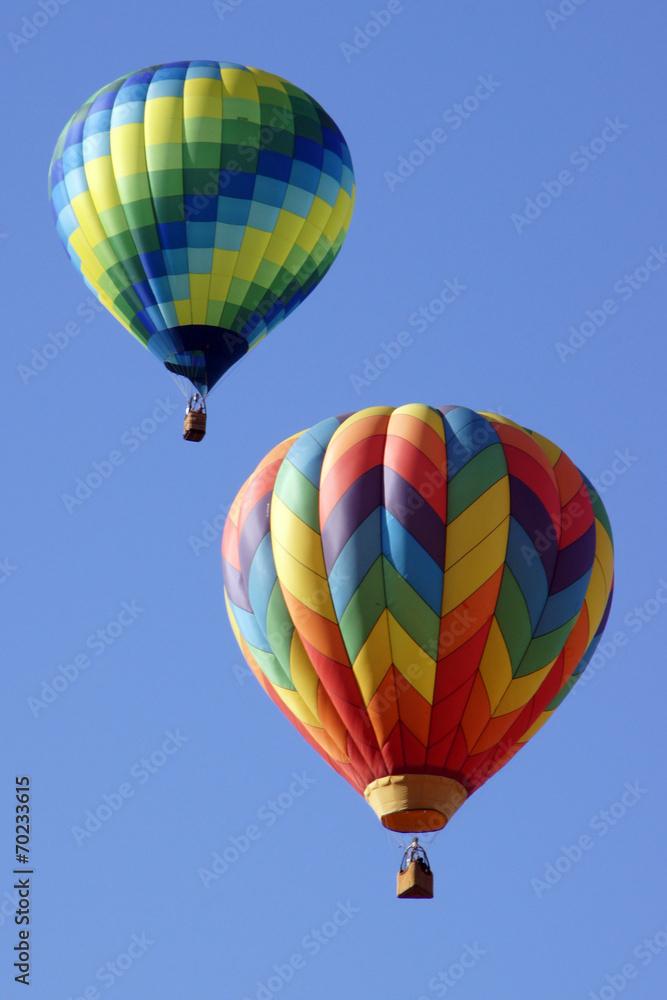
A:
[(416, 882), (194, 427), (415, 878)]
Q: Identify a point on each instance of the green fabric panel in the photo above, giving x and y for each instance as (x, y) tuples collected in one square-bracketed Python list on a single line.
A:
[(271, 668), (299, 494), (544, 648), (363, 610), (513, 619), (279, 630), (476, 476), (412, 613)]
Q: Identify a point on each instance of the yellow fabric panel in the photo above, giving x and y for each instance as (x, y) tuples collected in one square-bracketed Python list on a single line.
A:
[(469, 573), (551, 450), (477, 521), (202, 89), (246, 266), (89, 261), (374, 659), (407, 654), (521, 690), (128, 153), (495, 667), (308, 236), (319, 214), (305, 543), (278, 249), (596, 598), (202, 106), (296, 704), (425, 414), (201, 86), (183, 311), (303, 674), (365, 414), (288, 226), (238, 83), (82, 244), (496, 418), (539, 722), (255, 242), (163, 121), (199, 286), (88, 219), (102, 184), (307, 587), (264, 79), (338, 216), (219, 287), (333, 227), (604, 552), (224, 262)]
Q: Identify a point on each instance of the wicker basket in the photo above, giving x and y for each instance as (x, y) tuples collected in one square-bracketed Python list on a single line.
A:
[(194, 427), (416, 882)]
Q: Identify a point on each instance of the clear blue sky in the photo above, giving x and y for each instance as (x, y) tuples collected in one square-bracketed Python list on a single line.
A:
[(569, 114)]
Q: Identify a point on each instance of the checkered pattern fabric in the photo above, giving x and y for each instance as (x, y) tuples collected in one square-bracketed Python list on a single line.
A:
[(201, 202)]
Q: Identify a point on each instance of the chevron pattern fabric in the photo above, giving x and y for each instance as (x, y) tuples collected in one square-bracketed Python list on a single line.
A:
[(417, 588)]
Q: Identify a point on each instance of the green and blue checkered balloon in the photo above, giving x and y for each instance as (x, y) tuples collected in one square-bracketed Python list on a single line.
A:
[(202, 202)]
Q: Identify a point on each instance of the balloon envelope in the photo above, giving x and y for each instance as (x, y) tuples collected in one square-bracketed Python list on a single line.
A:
[(417, 589), (201, 202)]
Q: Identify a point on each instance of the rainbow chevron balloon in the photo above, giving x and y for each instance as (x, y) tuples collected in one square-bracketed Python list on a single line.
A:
[(417, 589)]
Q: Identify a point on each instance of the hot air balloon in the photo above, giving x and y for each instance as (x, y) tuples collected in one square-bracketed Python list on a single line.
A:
[(417, 589), (202, 202)]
